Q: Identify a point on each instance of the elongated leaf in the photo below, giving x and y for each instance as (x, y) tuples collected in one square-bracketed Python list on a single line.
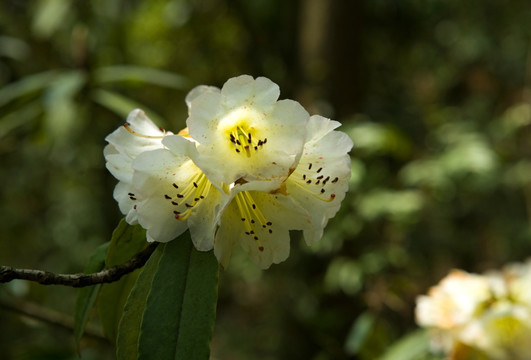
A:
[(411, 347), (129, 327), (126, 242), (140, 74), (87, 296), (122, 105), (19, 117), (26, 86), (198, 312), (180, 310)]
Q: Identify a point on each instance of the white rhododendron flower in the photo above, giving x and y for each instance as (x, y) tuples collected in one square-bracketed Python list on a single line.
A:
[(487, 315), (246, 170), (244, 134), (260, 221), (138, 135)]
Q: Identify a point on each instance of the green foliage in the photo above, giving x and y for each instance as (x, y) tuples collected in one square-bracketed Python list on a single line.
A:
[(434, 94), (86, 296), (126, 242), (171, 311)]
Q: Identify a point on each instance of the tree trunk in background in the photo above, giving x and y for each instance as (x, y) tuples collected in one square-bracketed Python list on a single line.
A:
[(329, 51)]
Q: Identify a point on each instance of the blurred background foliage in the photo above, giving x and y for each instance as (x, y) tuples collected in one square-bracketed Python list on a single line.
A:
[(435, 94)]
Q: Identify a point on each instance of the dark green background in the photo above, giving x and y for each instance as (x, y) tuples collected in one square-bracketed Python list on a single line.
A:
[(435, 95)]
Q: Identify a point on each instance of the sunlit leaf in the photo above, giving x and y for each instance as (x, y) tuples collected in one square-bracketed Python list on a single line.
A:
[(122, 105), (140, 74), (26, 86), (49, 16), (359, 332), (414, 346)]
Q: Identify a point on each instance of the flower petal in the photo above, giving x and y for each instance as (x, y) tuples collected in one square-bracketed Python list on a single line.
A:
[(172, 192), (139, 135), (260, 223), (199, 90), (320, 181), (255, 137), (244, 90)]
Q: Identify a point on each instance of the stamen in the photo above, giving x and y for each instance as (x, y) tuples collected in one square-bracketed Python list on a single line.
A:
[(128, 128), (243, 141)]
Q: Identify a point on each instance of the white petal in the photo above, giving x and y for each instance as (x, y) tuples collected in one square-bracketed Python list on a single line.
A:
[(243, 90), (199, 90), (264, 232), (123, 194), (320, 181), (144, 135), (119, 165), (221, 125), (174, 195)]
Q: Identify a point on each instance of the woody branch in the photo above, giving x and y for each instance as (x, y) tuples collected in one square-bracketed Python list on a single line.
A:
[(109, 275)]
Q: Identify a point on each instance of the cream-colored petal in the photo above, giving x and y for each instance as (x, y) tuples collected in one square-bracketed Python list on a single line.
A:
[(259, 222), (138, 135), (124, 195), (197, 91), (252, 144), (320, 181), (170, 189), (246, 91)]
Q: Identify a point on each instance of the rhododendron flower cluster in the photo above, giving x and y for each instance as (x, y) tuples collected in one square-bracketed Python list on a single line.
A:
[(480, 316), (247, 169)]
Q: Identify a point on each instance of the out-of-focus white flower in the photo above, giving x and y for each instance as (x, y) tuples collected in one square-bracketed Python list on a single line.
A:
[(480, 314), (246, 170)]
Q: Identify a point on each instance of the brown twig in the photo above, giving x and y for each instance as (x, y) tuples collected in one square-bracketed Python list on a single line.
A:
[(112, 274), (46, 315)]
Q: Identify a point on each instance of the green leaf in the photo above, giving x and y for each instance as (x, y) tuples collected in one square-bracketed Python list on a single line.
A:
[(19, 117), (180, 309), (87, 296), (26, 86), (140, 74), (359, 333), (122, 105), (126, 242), (129, 327), (411, 347)]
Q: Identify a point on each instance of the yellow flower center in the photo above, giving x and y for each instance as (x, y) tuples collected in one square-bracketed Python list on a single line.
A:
[(239, 129), (187, 196), (253, 220)]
